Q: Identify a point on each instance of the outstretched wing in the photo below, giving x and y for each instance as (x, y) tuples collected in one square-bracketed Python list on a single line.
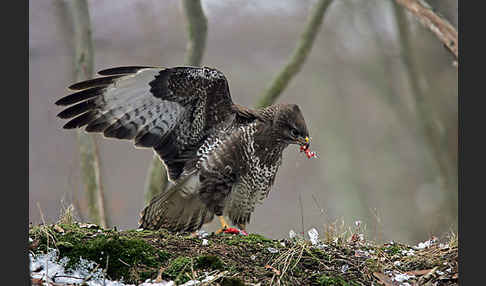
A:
[(170, 110)]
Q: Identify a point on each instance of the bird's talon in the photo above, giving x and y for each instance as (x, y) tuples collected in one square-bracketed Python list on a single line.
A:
[(224, 225)]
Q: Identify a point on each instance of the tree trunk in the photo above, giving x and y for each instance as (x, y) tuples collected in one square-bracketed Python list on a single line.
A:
[(297, 60), (82, 43)]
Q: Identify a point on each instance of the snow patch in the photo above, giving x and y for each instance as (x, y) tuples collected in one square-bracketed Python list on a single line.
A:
[(50, 268)]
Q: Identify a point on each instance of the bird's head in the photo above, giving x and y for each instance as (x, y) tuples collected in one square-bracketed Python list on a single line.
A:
[(288, 126), (291, 126)]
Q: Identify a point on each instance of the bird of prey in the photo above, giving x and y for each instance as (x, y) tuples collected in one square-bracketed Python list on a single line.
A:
[(221, 157)]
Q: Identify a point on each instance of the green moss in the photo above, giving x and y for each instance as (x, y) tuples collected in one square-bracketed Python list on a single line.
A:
[(177, 268), (373, 265), (249, 239), (318, 254), (227, 281), (393, 249), (123, 253), (347, 251), (209, 262), (325, 280), (64, 244), (144, 233)]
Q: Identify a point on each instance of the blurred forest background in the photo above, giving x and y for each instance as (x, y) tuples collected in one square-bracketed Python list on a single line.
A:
[(378, 90)]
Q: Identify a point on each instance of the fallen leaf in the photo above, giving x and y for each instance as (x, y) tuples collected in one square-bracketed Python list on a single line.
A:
[(354, 237), (276, 271), (58, 228), (34, 244), (159, 275), (37, 281)]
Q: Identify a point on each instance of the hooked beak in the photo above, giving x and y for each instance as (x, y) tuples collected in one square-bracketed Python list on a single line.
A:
[(304, 141)]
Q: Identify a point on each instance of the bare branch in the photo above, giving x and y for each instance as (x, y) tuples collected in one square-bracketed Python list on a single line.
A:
[(424, 109), (82, 43), (304, 46), (197, 27), (444, 31)]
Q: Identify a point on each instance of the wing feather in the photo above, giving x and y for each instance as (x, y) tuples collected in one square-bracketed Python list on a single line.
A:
[(81, 95), (101, 81), (122, 70), (170, 110)]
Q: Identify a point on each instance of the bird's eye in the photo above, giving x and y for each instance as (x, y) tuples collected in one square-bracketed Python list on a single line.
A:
[(294, 132)]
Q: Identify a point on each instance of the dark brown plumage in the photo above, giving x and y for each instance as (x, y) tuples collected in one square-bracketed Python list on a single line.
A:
[(221, 157)]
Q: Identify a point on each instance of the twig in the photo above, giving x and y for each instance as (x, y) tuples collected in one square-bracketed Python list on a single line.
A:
[(321, 210), (106, 269), (192, 270), (376, 215), (316, 258), (41, 213), (273, 277), (216, 277), (300, 257), (126, 264), (286, 265), (47, 238), (66, 276), (444, 31), (297, 60), (74, 199), (91, 275), (301, 214)]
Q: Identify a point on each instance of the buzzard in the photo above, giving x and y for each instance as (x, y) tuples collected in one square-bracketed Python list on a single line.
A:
[(221, 157)]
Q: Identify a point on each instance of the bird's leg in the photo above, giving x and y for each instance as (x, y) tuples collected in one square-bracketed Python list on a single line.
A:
[(224, 225)]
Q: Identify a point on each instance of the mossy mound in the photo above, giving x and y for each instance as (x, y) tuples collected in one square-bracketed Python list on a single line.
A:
[(137, 255), (124, 255)]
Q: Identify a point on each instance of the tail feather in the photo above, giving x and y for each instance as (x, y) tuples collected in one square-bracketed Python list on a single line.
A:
[(177, 209)]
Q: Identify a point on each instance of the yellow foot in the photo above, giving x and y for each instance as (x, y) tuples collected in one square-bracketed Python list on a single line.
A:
[(224, 225)]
